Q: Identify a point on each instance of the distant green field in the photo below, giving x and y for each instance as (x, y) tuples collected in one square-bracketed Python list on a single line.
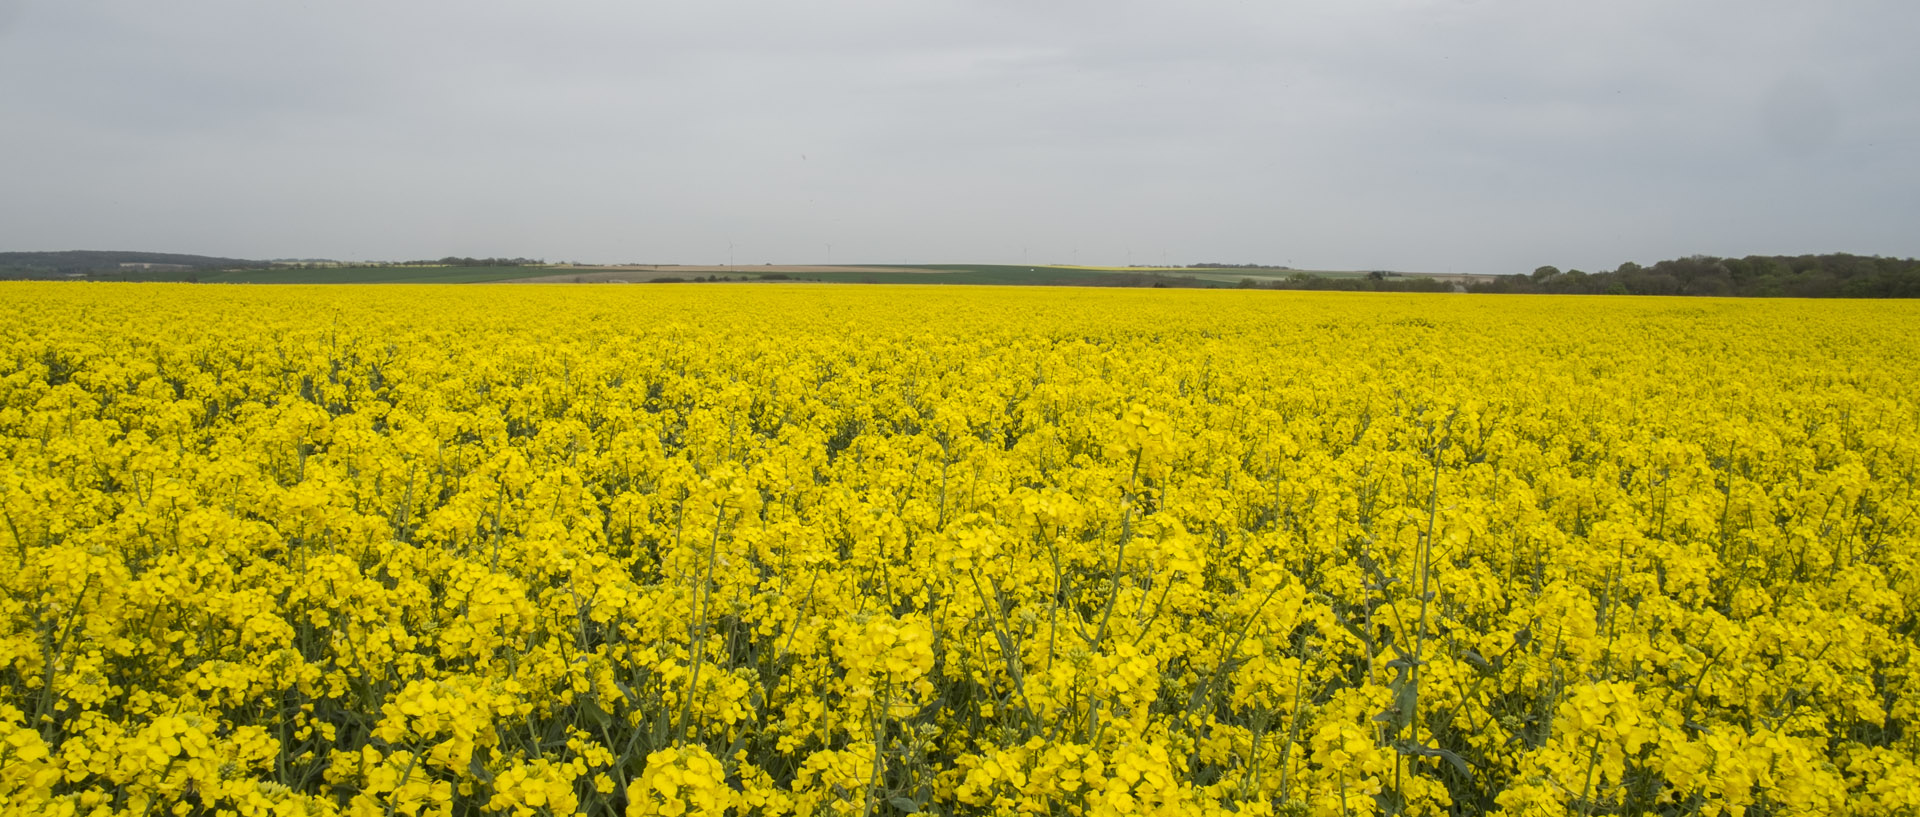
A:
[(991, 274), (1006, 274), (1040, 274), (370, 275), (329, 275)]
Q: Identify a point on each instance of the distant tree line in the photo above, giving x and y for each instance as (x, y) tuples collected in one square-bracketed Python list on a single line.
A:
[(710, 279), (1212, 265), (1376, 281), (1836, 275), (1152, 280)]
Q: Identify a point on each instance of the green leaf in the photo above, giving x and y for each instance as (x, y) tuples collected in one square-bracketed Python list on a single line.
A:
[(479, 770), (1459, 763), (1406, 697), (905, 805), (1477, 660), (1380, 577), (591, 705), (1353, 628)]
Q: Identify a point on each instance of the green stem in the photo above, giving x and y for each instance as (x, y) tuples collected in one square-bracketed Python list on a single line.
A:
[(697, 633)]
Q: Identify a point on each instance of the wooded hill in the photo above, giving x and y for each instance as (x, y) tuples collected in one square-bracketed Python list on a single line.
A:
[(1836, 275), (73, 262)]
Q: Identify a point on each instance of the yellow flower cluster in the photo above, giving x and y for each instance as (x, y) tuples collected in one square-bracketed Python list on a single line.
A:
[(791, 550), (680, 781)]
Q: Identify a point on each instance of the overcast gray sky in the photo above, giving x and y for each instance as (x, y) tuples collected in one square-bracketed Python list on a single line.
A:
[(1429, 135)]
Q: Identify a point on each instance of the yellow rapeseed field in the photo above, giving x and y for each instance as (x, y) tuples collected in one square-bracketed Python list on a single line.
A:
[(770, 550)]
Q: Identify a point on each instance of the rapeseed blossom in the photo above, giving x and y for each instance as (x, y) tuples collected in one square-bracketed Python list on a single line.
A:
[(789, 550)]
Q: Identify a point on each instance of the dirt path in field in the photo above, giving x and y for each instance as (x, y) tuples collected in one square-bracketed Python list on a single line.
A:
[(615, 274)]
